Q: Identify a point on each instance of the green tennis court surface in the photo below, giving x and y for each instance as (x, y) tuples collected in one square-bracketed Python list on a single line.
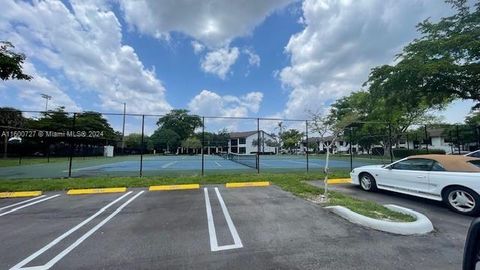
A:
[(160, 165)]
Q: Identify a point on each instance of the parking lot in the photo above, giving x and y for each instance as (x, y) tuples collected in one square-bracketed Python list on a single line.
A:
[(208, 228)]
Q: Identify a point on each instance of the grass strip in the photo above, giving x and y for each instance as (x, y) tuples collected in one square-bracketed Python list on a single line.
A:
[(291, 182)]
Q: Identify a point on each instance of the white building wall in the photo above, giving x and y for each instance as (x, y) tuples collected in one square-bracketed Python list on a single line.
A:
[(439, 143), (250, 148), (263, 148)]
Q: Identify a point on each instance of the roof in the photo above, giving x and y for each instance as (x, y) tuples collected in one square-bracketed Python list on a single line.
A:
[(242, 134), (436, 132), (245, 134), (452, 163), (319, 139)]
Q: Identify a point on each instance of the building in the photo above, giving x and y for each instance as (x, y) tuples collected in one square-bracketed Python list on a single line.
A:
[(440, 139), (341, 145), (437, 139), (246, 143)]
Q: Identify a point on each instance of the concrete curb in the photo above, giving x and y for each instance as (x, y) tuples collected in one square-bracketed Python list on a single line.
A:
[(421, 225)]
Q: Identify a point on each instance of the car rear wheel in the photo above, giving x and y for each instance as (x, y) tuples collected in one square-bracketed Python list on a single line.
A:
[(367, 182), (462, 200)]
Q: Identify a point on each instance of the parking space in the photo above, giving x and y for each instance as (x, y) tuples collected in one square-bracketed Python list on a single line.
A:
[(207, 228)]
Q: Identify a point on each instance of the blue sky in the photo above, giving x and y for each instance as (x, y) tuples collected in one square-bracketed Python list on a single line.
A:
[(278, 58)]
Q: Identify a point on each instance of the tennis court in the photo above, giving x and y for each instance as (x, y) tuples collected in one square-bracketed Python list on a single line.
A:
[(171, 165)]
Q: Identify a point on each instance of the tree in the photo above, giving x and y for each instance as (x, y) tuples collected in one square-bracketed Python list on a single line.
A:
[(10, 118), (11, 63), (333, 127), (473, 119), (192, 143), (52, 120), (312, 145), (134, 140), (180, 122), (166, 139), (222, 138), (93, 121), (443, 64), (291, 138), (381, 112)]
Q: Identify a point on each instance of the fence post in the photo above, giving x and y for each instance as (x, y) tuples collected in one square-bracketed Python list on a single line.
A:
[(142, 145), (306, 133), (351, 153), (203, 145), (258, 145), (390, 141), (408, 143), (478, 136), (426, 138), (72, 141), (458, 138)]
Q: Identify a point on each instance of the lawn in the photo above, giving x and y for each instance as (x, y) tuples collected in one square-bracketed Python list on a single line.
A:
[(291, 182)]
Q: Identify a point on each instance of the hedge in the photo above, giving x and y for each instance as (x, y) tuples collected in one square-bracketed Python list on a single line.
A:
[(401, 153)]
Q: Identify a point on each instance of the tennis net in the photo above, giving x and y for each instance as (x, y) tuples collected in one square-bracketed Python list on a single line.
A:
[(244, 159)]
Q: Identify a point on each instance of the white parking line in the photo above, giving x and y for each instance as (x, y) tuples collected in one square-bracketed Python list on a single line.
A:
[(63, 253), (211, 225), (29, 204), (22, 202), (169, 164)]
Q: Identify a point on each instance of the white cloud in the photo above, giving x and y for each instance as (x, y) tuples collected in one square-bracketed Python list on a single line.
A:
[(220, 61), (29, 92), (197, 47), (341, 42), (253, 58), (85, 44), (213, 22), (209, 103)]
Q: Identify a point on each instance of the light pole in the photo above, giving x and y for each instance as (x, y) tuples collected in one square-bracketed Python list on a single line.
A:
[(123, 126), (47, 98)]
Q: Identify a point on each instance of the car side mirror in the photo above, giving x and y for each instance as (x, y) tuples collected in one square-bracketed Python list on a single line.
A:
[(471, 254)]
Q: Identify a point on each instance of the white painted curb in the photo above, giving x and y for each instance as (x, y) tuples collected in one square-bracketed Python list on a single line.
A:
[(421, 225)]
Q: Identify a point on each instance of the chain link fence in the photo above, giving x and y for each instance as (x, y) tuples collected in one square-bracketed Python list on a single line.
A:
[(56, 144)]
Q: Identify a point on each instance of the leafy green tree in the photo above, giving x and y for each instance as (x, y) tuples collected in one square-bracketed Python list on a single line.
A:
[(221, 138), (313, 145), (473, 119), (134, 140), (11, 63), (10, 118), (443, 64), (52, 120), (291, 138), (93, 121), (166, 139), (181, 122), (192, 143), (380, 112)]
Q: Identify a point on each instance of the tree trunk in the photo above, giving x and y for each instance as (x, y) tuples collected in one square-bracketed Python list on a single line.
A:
[(325, 181)]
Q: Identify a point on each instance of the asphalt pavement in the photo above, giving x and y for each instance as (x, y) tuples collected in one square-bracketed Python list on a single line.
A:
[(208, 228)]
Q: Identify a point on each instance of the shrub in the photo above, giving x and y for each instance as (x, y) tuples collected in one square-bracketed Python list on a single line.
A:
[(401, 153)]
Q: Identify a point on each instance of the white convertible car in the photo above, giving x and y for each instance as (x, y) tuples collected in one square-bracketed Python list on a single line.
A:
[(452, 179)]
